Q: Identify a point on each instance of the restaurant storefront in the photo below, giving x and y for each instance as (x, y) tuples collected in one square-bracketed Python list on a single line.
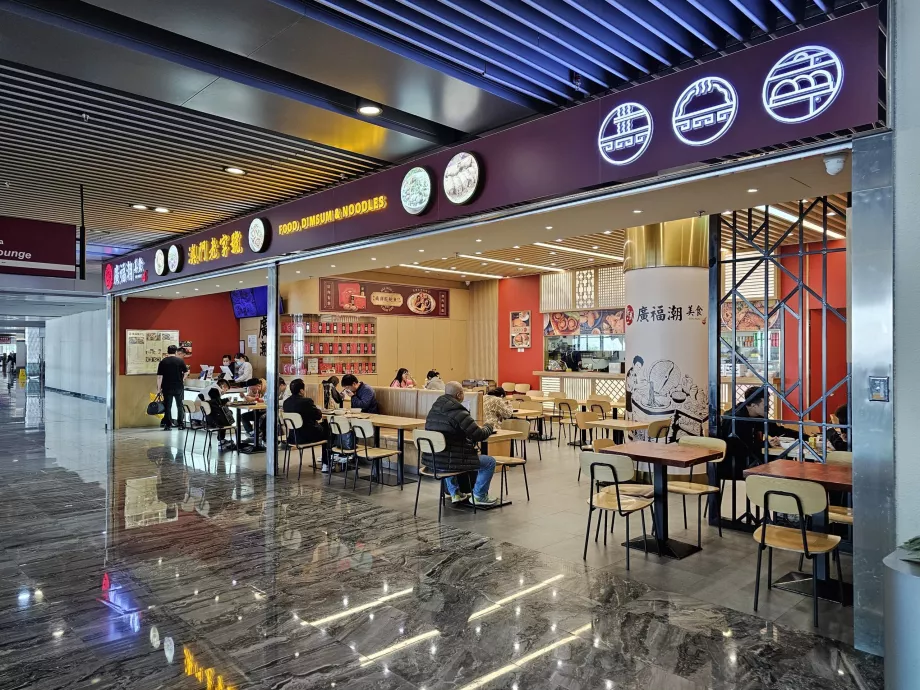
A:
[(706, 217)]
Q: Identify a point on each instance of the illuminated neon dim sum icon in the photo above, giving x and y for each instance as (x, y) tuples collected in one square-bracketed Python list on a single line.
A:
[(625, 133), (704, 111), (803, 84)]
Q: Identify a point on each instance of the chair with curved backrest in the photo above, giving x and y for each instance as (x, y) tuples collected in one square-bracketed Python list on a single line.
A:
[(506, 461), (690, 488), (340, 427), (611, 470), (602, 407), (521, 387), (292, 421), (598, 396), (565, 409), (365, 450), (432, 442), (191, 407), (791, 497), (582, 428), (211, 431), (658, 430), (508, 386)]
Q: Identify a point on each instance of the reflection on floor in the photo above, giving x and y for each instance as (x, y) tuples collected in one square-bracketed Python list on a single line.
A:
[(126, 564)]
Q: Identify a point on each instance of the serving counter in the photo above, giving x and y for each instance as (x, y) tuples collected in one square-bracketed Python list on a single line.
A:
[(581, 384)]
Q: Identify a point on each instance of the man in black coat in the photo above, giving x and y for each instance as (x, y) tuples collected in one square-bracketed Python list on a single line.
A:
[(461, 433)]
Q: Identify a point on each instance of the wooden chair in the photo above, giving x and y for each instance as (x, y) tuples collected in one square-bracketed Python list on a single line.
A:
[(564, 410), (211, 431), (535, 406), (363, 430), (611, 470), (582, 428), (659, 429), (793, 497), (598, 396), (506, 461), (191, 407), (432, 442), (602, 407), (340, 426), (521, 387), (690, 488), (293, 421)]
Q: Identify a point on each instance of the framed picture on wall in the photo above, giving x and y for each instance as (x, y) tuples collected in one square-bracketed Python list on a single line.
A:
[(520, 329)]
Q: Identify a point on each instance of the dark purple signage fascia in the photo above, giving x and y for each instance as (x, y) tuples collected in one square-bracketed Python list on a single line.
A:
[(558, 154)]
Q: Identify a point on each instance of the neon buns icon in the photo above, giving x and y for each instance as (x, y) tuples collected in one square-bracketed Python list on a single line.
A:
[(803, 84), (625, 133), (704, 111)]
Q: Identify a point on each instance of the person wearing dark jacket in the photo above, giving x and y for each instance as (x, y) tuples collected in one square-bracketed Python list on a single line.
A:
[(461, 433), (362, 396), (745, 443), (314, 428)]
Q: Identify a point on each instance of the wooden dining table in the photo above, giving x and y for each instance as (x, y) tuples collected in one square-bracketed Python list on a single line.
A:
[(385, 421), (255, 408), (832, 478), (662, 456)]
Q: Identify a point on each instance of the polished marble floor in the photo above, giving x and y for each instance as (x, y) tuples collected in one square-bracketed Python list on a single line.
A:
[(128, 564)]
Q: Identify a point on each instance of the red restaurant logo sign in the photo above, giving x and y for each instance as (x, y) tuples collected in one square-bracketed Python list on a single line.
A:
[(360, 297)]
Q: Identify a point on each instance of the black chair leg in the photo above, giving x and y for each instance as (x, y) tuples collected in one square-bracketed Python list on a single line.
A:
[(598, 530), (839, 575), (644, 535), (605, 527), (801, 562), (584, 556), (699, 520), (418, 490), (628, 548), (814, 592), (757, 579), (684, 501), (770, 569), (526, 488)]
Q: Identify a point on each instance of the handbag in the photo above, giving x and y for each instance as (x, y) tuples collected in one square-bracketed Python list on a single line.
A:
[(156, 406)]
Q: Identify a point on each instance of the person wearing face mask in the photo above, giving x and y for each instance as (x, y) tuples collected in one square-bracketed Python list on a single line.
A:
[(461, 432), (243, 369)]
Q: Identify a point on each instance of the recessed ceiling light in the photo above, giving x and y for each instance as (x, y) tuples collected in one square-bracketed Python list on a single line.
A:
[(483, 264), (422, 251), (427, 271), (373, 258), (552, 253), (217, 286), (479, 240), (594, 246), (559, 239), (234, 171), (139, 207), (161, 209), (453, 267), (332, 265), (752, 190), (446, 270), (386, 266), (298, 272), (578, 251), (517, 258), (241, 282), (517, 246), (443, 258), (477, 253), (415, 263), (370, 110), (196, 289), (590, 259), (549, 227), (608, 232), (831, 213), (726, 212), (637, 210), (552, 264)]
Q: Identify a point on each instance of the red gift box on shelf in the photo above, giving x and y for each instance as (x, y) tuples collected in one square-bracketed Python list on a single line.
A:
[(340, 349)]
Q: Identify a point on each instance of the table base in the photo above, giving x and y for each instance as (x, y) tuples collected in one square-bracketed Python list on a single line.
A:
[(387, 479), (670, 548), (801, 583)]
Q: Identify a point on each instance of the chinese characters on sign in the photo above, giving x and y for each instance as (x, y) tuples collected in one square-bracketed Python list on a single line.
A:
[(382, 298), (125, 272), (215, 248), (145, 349), (671, 312)]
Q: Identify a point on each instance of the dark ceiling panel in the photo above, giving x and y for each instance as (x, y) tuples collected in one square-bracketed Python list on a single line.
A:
[(264, 109), (240, 26), (385, 77), (28, 42)]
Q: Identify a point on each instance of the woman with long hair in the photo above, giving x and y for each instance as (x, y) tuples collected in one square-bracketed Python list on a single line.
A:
[(402, 380)]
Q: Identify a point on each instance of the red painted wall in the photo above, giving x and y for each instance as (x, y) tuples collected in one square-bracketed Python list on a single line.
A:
[(207, 321), (837, 363), (519, 294)]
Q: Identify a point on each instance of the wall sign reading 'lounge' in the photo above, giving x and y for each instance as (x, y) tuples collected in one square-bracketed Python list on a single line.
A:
[(803, 84), (705, 111), (625, 133)]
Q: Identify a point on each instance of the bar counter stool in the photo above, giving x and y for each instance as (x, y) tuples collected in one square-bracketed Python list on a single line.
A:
[(690, 488), (432, 442), (793, 497), (610, 470)]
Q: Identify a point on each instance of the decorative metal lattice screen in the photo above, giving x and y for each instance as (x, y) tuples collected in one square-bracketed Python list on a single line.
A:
[(611, 287), (556, 292), (584, 289)]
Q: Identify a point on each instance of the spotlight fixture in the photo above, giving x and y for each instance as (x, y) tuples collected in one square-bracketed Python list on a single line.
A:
[(138, 207), (608, 232), (161, 209), (447, 270), (572, 250), (373, 258), (479, 240), (370, 110), (234, 171)]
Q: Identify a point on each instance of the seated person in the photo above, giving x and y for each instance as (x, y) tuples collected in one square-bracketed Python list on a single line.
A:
[(496, 408), (332, 397), (243, 369), (220, 417), (434, 382), (314, 428), (402, 379), (745, 445), (461, 433), (282, 390), (362, 396), (255, 393), (838, 439), (220, 386)]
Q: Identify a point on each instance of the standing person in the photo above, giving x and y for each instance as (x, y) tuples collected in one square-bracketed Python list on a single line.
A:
[(496, 408), (402, 380), (434, 382), (171, 374), (362, 396), (243, 369), (461, 433)]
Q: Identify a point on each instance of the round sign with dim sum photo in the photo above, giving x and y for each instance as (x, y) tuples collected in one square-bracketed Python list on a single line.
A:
[(461, 178)]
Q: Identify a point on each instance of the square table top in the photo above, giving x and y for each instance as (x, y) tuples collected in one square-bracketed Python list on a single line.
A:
[(670, 454), (831, 477), (618, 424), (247, 405), (383, 421), (506, 435)]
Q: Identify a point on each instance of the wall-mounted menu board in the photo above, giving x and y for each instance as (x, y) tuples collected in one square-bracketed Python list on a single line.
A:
[(361, 297), (145, 349)]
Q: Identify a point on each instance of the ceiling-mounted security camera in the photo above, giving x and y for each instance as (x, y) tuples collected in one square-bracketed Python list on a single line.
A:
[(467, 283), (834, 162)]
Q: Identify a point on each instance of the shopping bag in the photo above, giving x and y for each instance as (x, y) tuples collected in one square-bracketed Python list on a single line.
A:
[(155, 407)]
